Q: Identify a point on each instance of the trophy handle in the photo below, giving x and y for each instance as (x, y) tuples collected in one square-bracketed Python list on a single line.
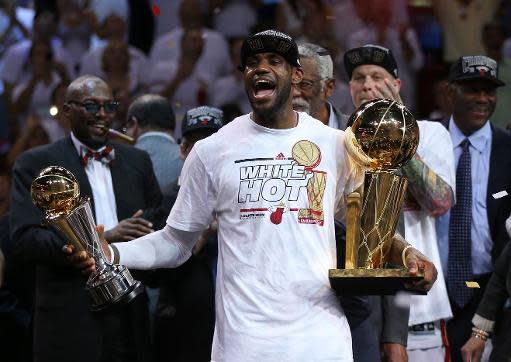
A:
[(354, 206)]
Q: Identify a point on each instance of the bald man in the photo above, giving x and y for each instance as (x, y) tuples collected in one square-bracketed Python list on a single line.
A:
[(122, 185)]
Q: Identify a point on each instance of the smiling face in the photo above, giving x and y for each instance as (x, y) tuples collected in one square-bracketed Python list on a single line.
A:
[(473, 103), (312, 92), (268, 82), (364, 80), (89, 128)]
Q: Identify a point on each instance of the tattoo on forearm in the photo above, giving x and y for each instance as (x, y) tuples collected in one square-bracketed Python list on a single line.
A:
[(427, 188)]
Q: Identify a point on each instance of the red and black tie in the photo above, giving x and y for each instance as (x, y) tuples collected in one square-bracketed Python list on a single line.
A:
[(105, 155)]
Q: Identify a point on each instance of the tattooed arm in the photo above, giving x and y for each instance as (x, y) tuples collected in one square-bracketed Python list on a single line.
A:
[(429, 190)]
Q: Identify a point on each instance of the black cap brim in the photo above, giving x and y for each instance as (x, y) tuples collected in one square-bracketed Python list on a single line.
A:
[(496, 82)]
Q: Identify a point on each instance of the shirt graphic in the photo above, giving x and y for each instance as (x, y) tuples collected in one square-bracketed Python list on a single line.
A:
[(279, 182)]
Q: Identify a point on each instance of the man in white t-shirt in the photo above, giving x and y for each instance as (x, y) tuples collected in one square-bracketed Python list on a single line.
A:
[(373, 74), (274, 179)]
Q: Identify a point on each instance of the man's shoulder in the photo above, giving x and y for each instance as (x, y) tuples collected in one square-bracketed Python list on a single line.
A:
[(129, 151), (37, 158), (46, 151), (432, 126), (225, 137), (153, 142), (502, 135)]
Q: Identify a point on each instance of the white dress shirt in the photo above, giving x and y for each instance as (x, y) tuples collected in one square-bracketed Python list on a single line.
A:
[(100, 179)]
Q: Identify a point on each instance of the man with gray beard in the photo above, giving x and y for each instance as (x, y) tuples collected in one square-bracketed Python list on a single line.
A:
[(318, 84)]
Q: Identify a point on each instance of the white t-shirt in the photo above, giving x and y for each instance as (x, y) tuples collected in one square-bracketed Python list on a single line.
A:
[(435, 150), (275, 210)]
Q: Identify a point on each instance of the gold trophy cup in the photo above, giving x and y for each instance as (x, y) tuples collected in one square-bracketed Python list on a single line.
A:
[(383, 136), (56, 192)]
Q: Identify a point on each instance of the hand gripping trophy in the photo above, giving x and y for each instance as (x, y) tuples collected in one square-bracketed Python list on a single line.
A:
[(56, 192), (383, 136)]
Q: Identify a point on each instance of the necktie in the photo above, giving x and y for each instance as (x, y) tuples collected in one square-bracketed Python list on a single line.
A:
[(106, 155), (459, 263)]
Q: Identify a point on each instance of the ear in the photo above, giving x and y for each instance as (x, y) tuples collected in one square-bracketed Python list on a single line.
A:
[(329, 87), (397, 84), (297, 76), (66, 109), (450, 90), (132, 127)]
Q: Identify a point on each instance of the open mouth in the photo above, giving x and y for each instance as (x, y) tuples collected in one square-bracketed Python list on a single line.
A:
[(263, 89)]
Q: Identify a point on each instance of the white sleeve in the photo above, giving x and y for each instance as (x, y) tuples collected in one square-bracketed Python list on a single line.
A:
[(165, 248), (436, 151), (350, 176), (196, 200)]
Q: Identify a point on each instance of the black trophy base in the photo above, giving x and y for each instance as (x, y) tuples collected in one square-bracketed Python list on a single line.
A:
[(373, 281)]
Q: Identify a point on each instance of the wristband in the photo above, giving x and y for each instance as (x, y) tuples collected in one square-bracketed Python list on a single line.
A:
[(115, 254), (479, 333), (403, 254)]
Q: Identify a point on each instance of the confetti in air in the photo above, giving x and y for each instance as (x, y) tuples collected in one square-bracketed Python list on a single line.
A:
[(156, 10)]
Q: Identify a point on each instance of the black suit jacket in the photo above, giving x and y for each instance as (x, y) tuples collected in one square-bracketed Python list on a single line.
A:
[(499, 179), (61, 303), (498, 290)]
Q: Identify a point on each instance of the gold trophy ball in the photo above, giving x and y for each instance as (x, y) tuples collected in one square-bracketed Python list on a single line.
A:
[(386, 131), (55, 190)]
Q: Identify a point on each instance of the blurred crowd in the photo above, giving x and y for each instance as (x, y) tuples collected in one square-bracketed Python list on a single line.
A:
[(168, 62), (188, 53)]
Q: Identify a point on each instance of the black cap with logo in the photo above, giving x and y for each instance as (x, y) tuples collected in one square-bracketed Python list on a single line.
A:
[(270, 41), (475, 67), (370, 54), (200, 118)]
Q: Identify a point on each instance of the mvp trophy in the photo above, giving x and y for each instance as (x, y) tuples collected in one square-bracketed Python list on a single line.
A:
[(383, 136), (56, 192)]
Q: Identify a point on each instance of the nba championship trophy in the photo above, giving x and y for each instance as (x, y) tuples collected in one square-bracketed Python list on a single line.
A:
[(383, 136), (56, 192)]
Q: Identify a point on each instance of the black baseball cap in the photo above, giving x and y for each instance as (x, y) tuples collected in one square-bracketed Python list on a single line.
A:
[(270, 41), (203, 117), (478, 67), (370, 54)]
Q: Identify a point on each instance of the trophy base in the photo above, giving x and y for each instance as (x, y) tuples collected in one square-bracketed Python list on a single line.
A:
[(113, 286), (373, 281)]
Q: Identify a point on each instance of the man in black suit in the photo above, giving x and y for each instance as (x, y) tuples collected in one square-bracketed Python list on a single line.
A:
[(121, 183), (469, 249), (492, 316)]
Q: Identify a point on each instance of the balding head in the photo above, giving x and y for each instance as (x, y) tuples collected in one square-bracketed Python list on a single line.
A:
[(88, 108), (85, 85), (152, 110)]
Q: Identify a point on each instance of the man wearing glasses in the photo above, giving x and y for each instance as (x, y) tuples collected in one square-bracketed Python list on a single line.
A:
[(121, 183), (312, 93)]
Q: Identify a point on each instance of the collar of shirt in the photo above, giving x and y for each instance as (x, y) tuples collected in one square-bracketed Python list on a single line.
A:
[(79, 145), (158, 134), (480, 139), (332, 120)]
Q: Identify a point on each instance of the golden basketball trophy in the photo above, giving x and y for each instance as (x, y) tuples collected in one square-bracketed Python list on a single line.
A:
[(383, 136), (56, 192)]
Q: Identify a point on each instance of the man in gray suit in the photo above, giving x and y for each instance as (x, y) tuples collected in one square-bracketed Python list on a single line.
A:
[(151, 122)]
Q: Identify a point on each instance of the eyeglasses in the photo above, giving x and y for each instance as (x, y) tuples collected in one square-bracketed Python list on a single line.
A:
[(307, 86), (94, 107)]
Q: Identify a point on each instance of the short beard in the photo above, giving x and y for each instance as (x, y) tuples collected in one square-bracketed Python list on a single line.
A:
[(277, 108)]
